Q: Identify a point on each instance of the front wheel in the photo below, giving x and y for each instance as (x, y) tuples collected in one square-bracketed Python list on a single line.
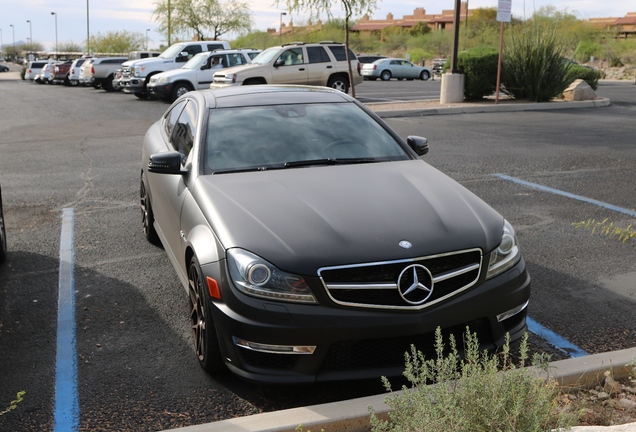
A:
[(425, 75), (179, 89), (206, 342), (386, 75), (147, 216), (339, 83)]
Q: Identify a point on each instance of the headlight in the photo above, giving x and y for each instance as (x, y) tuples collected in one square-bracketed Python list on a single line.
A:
[(227, 79), (506, 254), (254, 276), (138, 70), (161, 80)]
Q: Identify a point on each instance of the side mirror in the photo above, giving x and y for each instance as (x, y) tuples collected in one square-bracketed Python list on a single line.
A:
[(165, 163), (205, 67), (279, 62), (418, 144)]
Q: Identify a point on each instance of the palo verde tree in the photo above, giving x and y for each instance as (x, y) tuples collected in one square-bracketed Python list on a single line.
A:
[(117, 42), (202, 17), (316, 7)]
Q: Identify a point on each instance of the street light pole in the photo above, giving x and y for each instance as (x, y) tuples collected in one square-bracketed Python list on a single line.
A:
[(88, 34), (56, 51), (281, 26), (30, 35), (147, 30)]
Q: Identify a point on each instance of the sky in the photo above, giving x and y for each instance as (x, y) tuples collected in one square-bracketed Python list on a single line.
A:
[(136, 16)]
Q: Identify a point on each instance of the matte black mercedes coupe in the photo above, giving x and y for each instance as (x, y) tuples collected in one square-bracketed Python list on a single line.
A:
[(314, 243)]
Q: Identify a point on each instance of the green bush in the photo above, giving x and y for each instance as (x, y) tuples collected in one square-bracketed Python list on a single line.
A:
[(480, 69), (23, 72), (479, 393), (533, 66), (589, 75)]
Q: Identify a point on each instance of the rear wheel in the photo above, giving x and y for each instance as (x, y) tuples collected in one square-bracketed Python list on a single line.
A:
[(147, 216), (339, 83), (385, 75), (425, 75), (206, 342), (108, 84)]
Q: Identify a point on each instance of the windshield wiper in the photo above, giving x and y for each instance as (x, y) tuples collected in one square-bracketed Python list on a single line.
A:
[(328, 161)]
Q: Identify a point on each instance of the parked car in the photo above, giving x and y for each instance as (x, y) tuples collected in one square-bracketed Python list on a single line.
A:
[(34, 68), (45, 73), (320, 64), (438, 65), (314, 243), (197, 73), (368, 58), (74, 71), (388, 68), (59, 73), (4, 68), (100, 71), (137, 73), (3, 233)]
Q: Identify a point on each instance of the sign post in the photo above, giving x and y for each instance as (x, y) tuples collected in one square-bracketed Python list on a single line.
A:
[(503, 16)]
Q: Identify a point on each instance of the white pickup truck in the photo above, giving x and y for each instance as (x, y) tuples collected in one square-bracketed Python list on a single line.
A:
[(137, 73)]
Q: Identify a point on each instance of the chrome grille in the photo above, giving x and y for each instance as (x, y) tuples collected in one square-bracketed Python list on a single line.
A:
[(126, 72), (375, 285)]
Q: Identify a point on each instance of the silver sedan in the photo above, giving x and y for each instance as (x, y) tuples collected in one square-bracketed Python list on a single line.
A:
[(388, 68)]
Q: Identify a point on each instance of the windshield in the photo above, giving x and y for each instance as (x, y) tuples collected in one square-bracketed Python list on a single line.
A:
[(266, 56), (196, 61), (295, 135), (172, 51)]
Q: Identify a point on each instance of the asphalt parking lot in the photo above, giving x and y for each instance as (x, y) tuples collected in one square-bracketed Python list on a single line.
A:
[(79, 148)]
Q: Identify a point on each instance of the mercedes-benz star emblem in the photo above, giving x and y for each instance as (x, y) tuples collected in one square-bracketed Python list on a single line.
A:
[(405, 244), (415, 284)]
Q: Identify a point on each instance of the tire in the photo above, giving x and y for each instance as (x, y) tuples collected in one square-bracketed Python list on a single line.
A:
[(339, 83), (147, 216), (425, 75), (372, 78), (3, 235), (108, 84), (385, 75), (73, 83), (180, 89), (204, 337), (67, 82)]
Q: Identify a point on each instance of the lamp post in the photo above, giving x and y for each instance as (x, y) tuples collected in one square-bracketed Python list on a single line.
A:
[(56, 52), (1, 43), (88, 35), (281, 26), (30, 35), (13, 30), (147, 30)]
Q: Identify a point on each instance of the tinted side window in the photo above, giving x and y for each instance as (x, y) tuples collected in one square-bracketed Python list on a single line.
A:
[(317, 54), (339, 53), (215, 46), (193, 49), (171, 118), (185, 130)]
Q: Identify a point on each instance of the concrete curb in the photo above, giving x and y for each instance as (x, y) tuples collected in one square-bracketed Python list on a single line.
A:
[(488, 108), (353, 415)]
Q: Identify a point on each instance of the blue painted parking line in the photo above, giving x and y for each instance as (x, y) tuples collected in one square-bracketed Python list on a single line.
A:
[(549, 336), (554, 339), (567, 194), (66, 398)]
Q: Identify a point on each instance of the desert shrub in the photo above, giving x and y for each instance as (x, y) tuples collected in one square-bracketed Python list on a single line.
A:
[(480, 69), (533, 66), (477, 393), (590, 76)]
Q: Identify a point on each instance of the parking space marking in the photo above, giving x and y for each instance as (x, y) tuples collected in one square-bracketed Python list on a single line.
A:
[(568, 195), (66, 398), (554, 339)]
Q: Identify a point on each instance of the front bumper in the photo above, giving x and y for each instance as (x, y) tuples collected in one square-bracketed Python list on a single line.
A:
[(354, 342), (133, 85), (162, 91)]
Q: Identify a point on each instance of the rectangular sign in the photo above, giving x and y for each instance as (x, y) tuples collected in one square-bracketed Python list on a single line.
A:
[(503, 10)]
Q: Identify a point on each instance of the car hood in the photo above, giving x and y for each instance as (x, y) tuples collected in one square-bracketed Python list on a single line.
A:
[(306, 218), (173, 72), (237, 69)]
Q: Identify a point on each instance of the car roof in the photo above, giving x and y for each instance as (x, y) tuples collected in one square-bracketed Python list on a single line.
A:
[(245, 96)]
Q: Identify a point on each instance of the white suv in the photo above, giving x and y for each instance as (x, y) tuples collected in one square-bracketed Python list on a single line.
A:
[(321, 64), (197, 73)]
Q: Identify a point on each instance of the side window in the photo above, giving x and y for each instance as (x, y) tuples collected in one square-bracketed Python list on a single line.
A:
[(292, 56), (338, 52), (185, 130), (171, 118), (317, 54), (236, 59), (212, 47)]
